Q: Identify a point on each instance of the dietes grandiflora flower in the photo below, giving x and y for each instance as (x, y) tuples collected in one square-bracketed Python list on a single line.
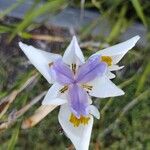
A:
[(75, 81)]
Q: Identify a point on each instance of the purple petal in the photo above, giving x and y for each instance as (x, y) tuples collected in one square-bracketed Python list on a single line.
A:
[(90, 70), (61, 72), (78, 100)]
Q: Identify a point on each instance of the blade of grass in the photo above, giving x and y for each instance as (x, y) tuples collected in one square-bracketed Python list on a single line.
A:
[(51, 6), (124, 111), (110, 101), (143, 78), (14, 138), (8, 100), (11, 8), (5, 29), (96, 3), (139, 10), (117, 28)]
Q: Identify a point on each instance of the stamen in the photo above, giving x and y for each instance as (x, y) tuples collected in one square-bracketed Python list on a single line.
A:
[(88, 87), (64, 89), (76, 122), (74, 68), (107, 59), (50, 64)]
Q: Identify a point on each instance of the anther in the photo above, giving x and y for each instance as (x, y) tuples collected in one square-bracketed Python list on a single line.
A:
[(88, 87), (64, 89), (50, 64), (73, 66)]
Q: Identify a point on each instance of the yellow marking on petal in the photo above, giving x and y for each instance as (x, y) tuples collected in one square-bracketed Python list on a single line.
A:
[(64, 89), (107, 59), (77, 121), (50, 64), (88, 87)]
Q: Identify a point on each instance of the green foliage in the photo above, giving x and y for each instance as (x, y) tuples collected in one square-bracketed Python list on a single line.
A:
[(118, 26), (14, 139), (11, 8), (139, 10), (36, 11), (143, 78)]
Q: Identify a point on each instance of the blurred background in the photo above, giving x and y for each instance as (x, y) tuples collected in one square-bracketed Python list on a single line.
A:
[(49, 25)]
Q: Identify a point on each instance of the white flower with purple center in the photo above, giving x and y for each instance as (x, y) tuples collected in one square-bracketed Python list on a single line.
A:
[(75, 81)]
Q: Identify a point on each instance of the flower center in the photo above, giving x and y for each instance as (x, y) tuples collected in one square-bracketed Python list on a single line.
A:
[(74, 80), (77, 121), (107, 59)]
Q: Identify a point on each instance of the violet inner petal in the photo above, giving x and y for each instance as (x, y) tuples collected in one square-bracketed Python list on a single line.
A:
[(78, 100), (90, 70), (62, 73)]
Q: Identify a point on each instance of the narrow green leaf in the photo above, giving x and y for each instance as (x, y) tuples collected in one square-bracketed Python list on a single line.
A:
[(14, 139), (143, 78), (5, 29), (51, 6), (117, 28), (25, 35), (11, 8), (139, 10)]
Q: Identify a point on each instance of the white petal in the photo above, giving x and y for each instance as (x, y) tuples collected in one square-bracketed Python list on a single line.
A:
[(40, 59), (53, 96), (110, 75), (103, 87), (115, 67), (80, 136), (73, 53), (94, 111), (119, 50), (89, 99)]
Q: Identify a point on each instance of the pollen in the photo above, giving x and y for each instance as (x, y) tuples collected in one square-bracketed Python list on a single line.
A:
[(77, 121), (107, 59)]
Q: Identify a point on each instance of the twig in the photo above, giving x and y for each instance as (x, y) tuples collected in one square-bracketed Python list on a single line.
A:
[(28, 106), (5, 102), (39, 114), (125, 110), (13, 116), (47, 38), (92, 44)]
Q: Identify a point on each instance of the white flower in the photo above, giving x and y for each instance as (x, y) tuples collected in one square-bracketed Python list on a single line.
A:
[(74, 81)]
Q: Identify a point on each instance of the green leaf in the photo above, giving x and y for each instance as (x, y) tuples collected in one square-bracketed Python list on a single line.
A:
[(14, 139), (143, 78), (5, 29), (25, 35), (139, 10), (117, 28), (51, 6), (11, 8)]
